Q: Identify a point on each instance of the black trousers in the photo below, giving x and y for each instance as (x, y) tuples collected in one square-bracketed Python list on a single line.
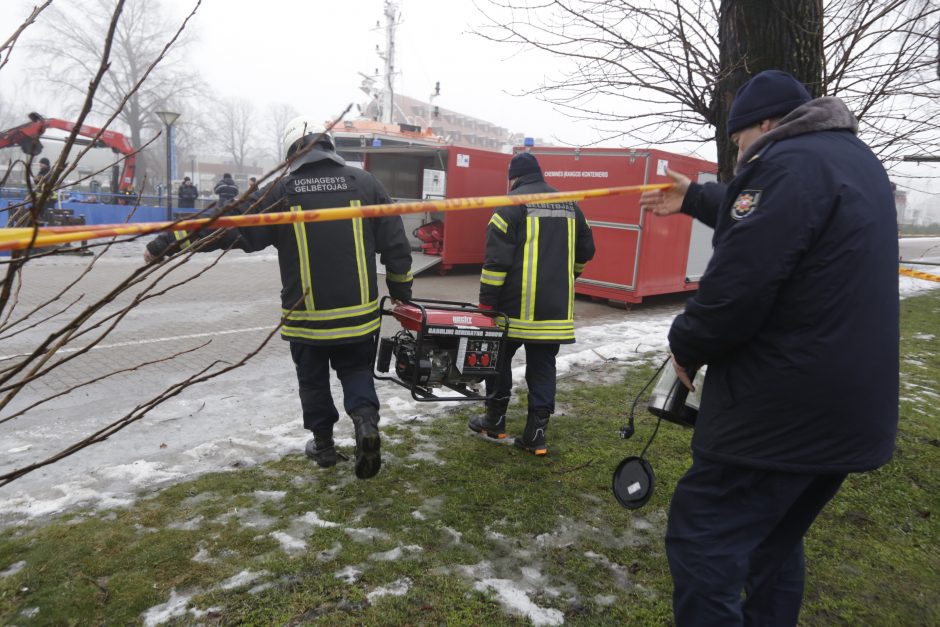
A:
[(353, 366), (539, 374), (734, 541)]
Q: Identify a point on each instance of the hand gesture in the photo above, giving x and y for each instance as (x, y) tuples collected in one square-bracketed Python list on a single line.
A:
[(664, 202)]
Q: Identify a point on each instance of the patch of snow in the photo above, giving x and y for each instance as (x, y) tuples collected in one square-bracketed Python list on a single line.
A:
[(330, 554), (349, 574), (605, 600), (241, 579), (366, 534), (173, 608), (186, 525), (516, 600), (290, 544), (13, 569), (266, 495), (397, 588), (203, 557), (313, 519), (395, 554)]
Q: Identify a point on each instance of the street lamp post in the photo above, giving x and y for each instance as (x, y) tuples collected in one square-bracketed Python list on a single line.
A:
[(168, 118)]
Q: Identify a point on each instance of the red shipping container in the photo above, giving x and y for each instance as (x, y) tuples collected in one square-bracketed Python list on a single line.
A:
[(638, 253)]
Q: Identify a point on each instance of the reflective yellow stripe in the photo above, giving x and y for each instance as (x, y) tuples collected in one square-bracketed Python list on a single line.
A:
[(332, 334), (399, 278), (182, 235), (492, 277), (331, 314), (303, 254), (530, 266), (555, 336), (540, 324), (550, 330), (569, 268), (360, 255), (499, 223)]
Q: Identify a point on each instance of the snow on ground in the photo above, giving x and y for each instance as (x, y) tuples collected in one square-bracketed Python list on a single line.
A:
[(113, 474), (270, 429)]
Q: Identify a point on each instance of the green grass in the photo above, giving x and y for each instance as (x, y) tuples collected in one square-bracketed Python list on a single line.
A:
[(459, 510)]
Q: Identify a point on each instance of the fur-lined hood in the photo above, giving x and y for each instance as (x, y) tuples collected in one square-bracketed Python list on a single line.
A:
[(822, 114)]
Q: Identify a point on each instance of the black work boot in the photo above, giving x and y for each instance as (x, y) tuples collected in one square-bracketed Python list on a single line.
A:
[(320, 449), (368, 443), (533, 437), (493, 423)]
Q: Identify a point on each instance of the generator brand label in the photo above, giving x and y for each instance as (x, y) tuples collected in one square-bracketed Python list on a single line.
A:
[(463, 320), (575, 174), (319, 184), (465, 332)]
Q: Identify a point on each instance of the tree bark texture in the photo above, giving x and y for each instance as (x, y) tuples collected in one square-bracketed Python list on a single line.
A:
[(758, 35)]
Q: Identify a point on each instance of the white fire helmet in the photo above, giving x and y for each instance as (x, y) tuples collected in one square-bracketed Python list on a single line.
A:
[(301, 127)]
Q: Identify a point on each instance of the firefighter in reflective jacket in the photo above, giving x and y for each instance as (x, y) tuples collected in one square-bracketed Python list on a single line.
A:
[(330, 292), (533, 256)]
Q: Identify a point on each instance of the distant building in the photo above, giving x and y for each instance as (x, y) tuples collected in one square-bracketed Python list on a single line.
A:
[(205, 171), (452, 127)]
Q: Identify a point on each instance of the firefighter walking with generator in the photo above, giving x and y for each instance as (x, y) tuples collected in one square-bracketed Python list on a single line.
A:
[(329, 293), (533, 256)]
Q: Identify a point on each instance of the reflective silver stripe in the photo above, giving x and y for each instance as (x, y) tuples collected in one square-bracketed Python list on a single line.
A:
[(569, 267), (499, 223), (399, 278), (551, 210), (530, 260), (491, 277), (303, 254), (332, 334), (331, 314), (360, 255)]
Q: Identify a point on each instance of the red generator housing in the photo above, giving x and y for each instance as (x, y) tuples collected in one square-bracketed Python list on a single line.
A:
[(638, 253)]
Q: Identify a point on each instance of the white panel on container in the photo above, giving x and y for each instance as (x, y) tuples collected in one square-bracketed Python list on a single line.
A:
[(435, 184), (700, 245)]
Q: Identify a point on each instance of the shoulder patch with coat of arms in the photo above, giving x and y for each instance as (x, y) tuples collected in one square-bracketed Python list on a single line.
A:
[(745, 204)]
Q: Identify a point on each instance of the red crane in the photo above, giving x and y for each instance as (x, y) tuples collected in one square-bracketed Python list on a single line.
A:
[(26, 136)]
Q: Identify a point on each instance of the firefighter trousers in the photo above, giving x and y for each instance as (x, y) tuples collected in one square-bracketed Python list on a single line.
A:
[(353, 366), (539, 374), (734, 542)]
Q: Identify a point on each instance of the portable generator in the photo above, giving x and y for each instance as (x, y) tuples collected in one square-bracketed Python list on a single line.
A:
[(442, 344)]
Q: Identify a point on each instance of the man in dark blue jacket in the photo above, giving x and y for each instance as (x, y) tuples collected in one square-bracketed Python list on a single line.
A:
[(187, 194), (797, 320), (226, 189)]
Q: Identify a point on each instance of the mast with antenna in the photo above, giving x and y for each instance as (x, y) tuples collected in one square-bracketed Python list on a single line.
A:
[(388, 89)]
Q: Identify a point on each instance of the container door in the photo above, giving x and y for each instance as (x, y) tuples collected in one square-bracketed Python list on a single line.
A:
[(700, 245), (615, 221)]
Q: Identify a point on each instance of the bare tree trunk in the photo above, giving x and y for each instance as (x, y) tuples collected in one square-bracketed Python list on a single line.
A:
[(757, 35)]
